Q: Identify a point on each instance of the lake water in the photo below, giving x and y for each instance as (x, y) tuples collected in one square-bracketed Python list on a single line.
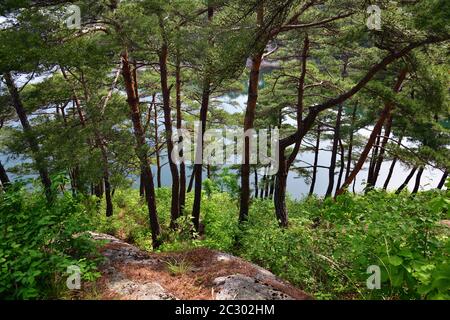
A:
[(297, 186)]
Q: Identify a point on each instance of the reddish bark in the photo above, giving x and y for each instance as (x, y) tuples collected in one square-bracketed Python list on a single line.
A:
[(141, 148), (249, 120), (375, 133)]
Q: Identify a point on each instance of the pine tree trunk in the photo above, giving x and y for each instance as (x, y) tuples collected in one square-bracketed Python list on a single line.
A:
[(405, 183), (272, 187), (264, 185), (252, 98), (390, 173), (157, 153), (141, 186), (179, 124), (331, 172), (375, 133), (107, 184), (316, 161), (99, 189), (379, 162), (350, 144), (443, 180), (191, 181), (248, 124), (418, 178), (280, 193), (175, 205), (285, 163), (108, 198), (29, 136), (256, 183), (373, 160), (391, 168), (4, 179), (268, 184), (341, 172), (198, 167), (208, 171), (141, 152)]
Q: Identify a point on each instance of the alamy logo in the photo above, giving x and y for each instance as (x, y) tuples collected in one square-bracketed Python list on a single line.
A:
[(374, 281), (73, 282), (374, 19), (73, 20)]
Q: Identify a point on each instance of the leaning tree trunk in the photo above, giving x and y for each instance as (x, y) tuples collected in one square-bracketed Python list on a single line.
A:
[(375, 133), (379, 162), (408, 178), (418, 178), (391, 168), (175, 205), (316, 161), (29, 136), (443, 180), (141, 148), (337, 133), (373, 160), (390, 173), (191, 181)]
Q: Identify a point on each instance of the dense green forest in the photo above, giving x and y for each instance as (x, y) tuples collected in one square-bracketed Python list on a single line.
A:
[(123, 118)]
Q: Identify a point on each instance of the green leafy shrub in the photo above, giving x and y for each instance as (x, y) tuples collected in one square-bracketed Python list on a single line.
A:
[(328, 246), (37, 244)]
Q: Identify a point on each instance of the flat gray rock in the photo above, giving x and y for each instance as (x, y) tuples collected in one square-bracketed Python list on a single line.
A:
[(240, 287), (139, 291)]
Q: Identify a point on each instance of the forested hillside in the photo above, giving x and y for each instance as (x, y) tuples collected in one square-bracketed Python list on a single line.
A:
[(184, 124)]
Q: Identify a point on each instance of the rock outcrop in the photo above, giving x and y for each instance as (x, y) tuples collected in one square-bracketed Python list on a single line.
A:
[(200, 274)]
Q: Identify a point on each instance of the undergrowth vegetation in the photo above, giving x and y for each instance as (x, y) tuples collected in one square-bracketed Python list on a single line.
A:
[(329, 245), (38, 242), (326, 250)]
